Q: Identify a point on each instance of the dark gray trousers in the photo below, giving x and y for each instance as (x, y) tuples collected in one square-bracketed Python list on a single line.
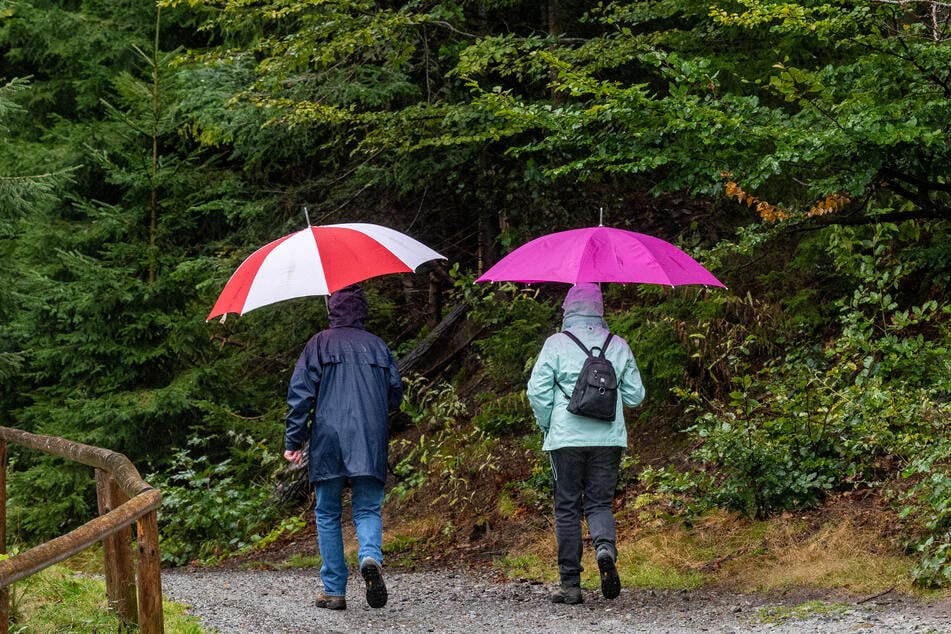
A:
[(585, 479)]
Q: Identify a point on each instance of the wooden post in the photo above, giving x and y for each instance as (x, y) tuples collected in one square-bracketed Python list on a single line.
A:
[(150, 575), (117, 554), (126, 498), (5, 590)]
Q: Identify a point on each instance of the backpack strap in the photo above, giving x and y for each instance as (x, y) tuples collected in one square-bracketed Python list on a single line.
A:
[(604, 347), (577, 341)]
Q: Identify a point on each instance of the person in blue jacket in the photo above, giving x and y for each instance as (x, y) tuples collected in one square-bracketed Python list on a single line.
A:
[(342, 389), (585, 452)]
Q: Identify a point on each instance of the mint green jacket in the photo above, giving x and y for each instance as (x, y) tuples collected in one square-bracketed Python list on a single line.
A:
[(561, 359)]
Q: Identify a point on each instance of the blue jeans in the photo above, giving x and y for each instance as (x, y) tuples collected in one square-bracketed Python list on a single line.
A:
[(585, 479), (367, 502)]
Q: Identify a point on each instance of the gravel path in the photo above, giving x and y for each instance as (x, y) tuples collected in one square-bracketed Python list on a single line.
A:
[(265, 602)]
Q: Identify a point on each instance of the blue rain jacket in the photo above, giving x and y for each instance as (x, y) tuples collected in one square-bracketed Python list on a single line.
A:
[(561, 359), (342, 389)]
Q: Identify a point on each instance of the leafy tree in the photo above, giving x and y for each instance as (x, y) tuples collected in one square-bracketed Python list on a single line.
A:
[(849, 120)]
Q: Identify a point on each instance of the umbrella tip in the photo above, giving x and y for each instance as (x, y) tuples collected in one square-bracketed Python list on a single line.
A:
[(306, 215), (601, 216)]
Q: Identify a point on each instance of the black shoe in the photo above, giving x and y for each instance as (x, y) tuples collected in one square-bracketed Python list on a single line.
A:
[(330, 602), (567, 594), (373, 575), (610, 582)]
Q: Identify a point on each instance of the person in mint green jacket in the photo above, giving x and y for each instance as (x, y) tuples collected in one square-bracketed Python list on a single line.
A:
[(585, 452)]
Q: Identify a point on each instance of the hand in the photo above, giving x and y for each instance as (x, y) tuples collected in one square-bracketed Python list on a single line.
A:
[(294, 457)]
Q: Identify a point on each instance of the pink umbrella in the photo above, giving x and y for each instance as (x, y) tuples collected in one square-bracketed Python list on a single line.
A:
[(318, 261), (600, 254)]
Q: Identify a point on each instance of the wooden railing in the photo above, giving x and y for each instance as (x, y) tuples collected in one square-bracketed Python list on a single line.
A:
[(124, 499)]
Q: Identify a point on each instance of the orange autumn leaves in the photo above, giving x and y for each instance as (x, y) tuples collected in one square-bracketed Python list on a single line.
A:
[(773, 213)]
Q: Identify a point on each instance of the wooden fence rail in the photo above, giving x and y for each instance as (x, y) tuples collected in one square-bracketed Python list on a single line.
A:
[(124, 499)]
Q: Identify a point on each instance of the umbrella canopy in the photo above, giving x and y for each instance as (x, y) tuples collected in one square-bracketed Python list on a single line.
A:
[(318, 261), (600, 254)]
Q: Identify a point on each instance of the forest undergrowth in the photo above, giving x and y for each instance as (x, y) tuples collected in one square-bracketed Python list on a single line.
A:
[(851, 543)]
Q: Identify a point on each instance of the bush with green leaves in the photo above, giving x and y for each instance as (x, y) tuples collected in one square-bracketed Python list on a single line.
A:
[(925, 507), (536, 490), (651, 329), (434, 409), (840, 414), (764, 464), (431, 405), (691, 336), (207, 513), (449, 457)]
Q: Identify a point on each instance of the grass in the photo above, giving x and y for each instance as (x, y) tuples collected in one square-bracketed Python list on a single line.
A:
[(835, 556), (293, 562), (61, 600), (742, 555), (641, 565), (764, 556), (778, 615)]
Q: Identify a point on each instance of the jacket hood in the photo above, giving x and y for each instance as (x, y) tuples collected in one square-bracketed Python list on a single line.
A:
[(583, 306), (347, 307)]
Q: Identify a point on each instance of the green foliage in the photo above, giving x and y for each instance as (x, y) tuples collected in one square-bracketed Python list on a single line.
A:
[(515, 319), (504, 415), (447, 458), (787, 99), (109, 282), (435, 410), (837, 414), (694, 339), (459, 465), (48, 498), (653, 332), (26, 186), (682, 492), (653, 337), (156, 146), (535, 491), (207, 512), (925, 508), (767, 465), (431, 406), (510, 350)]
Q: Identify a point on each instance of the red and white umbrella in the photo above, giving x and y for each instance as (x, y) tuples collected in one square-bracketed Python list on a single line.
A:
[(318, 261)]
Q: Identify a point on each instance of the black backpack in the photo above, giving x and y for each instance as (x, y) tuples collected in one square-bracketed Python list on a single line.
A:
[(595, 393)]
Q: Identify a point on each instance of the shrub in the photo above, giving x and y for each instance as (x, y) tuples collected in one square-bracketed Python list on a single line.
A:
[(925, 508), (842, 414), (206, 513)]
